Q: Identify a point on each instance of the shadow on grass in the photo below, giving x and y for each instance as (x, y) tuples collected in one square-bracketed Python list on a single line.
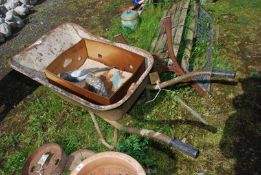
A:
[(141, 109), (242, 133), (183, 122), (14, 87)]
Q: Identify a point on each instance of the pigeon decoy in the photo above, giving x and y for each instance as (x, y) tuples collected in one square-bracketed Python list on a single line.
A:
[(5, 29), (13, 20), (3, 10), (11, 4), (22, 10), (2, 20)]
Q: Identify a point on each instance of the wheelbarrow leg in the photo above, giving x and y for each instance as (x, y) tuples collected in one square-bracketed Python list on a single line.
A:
[(115, 136), (183, 147), (103, 141)]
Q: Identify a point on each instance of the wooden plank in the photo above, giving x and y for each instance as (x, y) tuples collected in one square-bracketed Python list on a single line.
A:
[(179, 32), (175, 11), (158, 34), (175, 20), (162, 42), (189, 39)]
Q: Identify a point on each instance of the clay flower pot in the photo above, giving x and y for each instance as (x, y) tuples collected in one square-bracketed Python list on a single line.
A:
[(113, 163)]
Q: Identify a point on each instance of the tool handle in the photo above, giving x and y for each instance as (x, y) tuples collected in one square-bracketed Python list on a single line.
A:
[(223, 74), (185, 148)]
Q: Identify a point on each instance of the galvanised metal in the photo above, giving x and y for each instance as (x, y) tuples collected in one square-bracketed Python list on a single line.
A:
[(204, 34)]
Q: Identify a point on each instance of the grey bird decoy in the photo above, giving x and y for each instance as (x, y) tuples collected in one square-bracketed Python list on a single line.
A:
[(11, 4), (3, 10), (13, 20), (5, 29), (22, 10), (2, 20)]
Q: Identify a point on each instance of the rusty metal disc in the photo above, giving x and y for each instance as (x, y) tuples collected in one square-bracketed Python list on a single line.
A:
[(76, 158), (49, 159)]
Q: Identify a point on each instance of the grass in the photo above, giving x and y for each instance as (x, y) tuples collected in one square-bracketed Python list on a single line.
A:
[(143, 35), (47, 118)]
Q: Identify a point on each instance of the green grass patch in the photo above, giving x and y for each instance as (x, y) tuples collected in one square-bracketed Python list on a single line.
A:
[(138, 148), (47, 118), (143, 35), (245, 4)]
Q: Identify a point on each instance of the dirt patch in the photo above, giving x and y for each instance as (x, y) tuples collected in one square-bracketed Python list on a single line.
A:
[(94, 15), (250, 53)]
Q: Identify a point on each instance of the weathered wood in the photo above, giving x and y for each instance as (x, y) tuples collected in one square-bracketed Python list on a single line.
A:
[(160, 31), (159, 38), (174, 17), (189, 39), (178, 13), (162, 41), (175, 21), (180, 28), (175, 14)]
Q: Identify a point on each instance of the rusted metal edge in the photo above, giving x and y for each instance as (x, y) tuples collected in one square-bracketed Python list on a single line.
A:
[(40, 77), (176, 67)]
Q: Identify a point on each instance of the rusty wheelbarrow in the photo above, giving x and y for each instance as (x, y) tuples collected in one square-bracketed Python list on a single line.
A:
[(34, 60)]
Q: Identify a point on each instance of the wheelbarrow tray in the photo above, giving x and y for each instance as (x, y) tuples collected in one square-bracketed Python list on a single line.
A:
[(33, 61), (88, 54)]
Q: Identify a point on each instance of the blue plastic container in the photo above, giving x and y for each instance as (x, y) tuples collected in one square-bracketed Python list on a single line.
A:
[(130, 19)]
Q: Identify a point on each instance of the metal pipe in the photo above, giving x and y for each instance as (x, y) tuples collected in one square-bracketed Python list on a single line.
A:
[(183, 147), (183, 78)]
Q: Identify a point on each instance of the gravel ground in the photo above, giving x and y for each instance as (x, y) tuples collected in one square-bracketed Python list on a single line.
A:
[(92, 14)]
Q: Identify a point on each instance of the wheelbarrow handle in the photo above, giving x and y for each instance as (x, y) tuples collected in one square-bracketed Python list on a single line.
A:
[(223, 74), (185, 148)]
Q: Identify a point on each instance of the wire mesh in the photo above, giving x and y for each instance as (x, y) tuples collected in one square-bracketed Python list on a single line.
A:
[(204, 34)]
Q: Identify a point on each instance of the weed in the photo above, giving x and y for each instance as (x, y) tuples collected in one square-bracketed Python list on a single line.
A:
[(136, 147), (14, 163), (69, 143)]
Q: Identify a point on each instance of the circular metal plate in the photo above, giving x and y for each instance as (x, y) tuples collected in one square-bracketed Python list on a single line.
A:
[(49, 159)]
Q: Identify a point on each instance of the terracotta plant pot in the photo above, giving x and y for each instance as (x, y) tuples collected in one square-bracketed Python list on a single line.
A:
[(113, 163), (76, 158)]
